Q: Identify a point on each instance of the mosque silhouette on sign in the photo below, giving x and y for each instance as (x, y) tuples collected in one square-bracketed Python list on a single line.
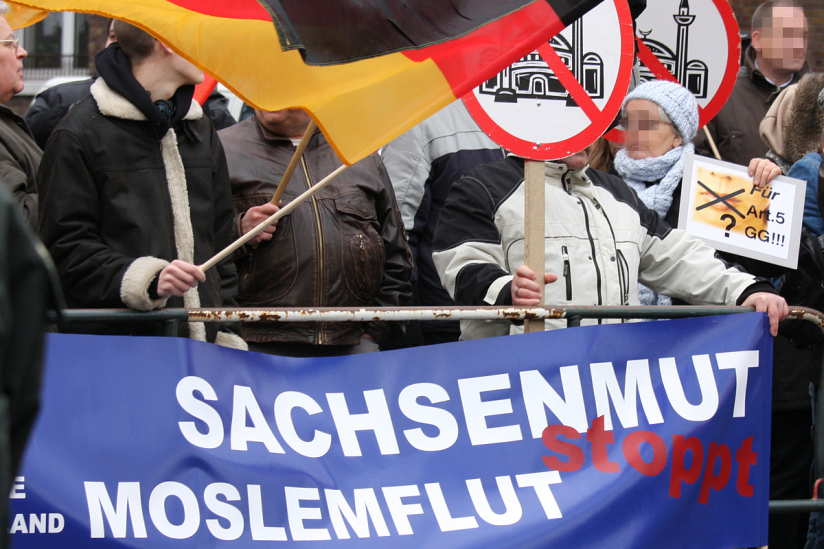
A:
[(692, 74), (531, 78)]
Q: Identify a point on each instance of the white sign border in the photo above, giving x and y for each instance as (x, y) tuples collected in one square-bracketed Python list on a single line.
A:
[(688, 191)]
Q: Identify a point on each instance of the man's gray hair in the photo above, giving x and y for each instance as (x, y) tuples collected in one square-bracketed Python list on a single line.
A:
[(4, 8)]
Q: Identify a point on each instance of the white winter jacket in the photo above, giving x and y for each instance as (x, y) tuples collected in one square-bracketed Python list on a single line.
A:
[(601, 240)]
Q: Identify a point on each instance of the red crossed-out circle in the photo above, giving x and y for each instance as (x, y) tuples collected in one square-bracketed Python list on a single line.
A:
[(600, 120), (730, 72)]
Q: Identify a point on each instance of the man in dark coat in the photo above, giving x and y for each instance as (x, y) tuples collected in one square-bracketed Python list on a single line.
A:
[(19, 154), (135, 191), (776, 58)]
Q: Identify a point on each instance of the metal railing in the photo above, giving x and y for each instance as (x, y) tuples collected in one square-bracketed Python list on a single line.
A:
[(171, 318), (46, 66)]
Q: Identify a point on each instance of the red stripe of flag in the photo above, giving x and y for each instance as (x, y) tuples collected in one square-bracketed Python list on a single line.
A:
[(236, 9), (492, 48)]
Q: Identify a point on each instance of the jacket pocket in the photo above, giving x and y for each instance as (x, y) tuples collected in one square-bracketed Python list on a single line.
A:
[(361, 245), (269, 271)]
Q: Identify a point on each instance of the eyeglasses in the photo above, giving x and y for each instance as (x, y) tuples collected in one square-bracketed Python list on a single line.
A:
[(13, 42), (642, 125)]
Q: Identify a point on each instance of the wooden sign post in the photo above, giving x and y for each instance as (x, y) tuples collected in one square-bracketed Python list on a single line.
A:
[(534, 235), (554, 103)]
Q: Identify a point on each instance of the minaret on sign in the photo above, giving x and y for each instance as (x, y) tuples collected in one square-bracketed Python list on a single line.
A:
[(684, 20)]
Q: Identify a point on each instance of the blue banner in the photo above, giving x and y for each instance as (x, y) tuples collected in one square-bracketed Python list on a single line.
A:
[(642, 435)]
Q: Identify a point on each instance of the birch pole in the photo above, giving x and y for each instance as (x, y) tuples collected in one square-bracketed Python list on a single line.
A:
[(534, 235), (271, 219), (290, 169), (712, 143)]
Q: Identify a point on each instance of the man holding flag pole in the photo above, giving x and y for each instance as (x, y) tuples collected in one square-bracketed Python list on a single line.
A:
[(135, 191), (343, 247)]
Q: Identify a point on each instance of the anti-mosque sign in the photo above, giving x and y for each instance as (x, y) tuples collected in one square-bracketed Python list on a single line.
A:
[(695, 43), (721, 206), (557, 100)]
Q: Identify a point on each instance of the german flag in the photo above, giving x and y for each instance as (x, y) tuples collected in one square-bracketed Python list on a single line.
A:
[(365, 71)]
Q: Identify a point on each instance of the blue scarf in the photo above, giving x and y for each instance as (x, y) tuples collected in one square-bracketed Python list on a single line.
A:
[(668, 170)]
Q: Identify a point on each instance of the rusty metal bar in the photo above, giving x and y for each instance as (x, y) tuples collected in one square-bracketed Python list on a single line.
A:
[(363, 314)]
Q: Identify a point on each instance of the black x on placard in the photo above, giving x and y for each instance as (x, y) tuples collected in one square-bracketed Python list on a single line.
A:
[(720, 199)]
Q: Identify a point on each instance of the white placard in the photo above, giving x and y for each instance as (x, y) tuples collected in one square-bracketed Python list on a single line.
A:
[(721, 206)]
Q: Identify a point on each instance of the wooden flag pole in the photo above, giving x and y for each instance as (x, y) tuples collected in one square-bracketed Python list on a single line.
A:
[(274, 217), (290, 169), (534, 221), (712, 143)]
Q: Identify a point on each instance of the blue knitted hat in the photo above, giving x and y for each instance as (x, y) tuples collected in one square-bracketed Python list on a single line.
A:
[(677, 101)]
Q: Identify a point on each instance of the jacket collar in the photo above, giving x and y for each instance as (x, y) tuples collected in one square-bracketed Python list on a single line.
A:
[(755, 74), (115, 105), (16, 118)]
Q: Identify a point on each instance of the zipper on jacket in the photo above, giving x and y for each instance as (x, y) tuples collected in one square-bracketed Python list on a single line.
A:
[(623, 277), (566, 181), (567, 276), (594, 255), (244, 284), (362, 248), (623, 267), (319, 228)]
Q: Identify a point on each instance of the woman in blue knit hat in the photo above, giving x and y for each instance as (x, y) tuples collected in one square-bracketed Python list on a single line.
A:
[(660, 119)]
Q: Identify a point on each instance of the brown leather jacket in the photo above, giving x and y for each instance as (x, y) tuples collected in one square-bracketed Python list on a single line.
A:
[(344, 247)]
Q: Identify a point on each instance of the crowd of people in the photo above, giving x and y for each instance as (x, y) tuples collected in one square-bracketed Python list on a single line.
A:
[(129, 185)]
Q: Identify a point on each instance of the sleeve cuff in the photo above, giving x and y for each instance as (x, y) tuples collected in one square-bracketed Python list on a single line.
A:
[(494, 291), (134, 288), (761, 286), (505, 295), (232, 341)]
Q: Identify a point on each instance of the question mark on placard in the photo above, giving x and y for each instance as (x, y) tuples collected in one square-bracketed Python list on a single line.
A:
[(730, 226)]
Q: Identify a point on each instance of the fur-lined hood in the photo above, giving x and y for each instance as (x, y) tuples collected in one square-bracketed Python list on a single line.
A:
[(805, 121), (113, 104)]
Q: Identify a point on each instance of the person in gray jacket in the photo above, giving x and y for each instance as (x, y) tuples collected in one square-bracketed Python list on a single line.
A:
[(19, 154), (599, 235), (422, 164)]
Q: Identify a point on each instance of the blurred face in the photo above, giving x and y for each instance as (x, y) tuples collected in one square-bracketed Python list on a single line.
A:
[(782, 42), (646, 135), (576, 161), (290, 123), (11, 64)]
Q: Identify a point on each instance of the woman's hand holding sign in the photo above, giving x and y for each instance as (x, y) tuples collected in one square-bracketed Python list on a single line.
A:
[(763, 171), (525, 290)]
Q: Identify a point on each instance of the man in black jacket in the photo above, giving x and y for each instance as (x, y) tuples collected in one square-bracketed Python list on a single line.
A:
[(135, 190)]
